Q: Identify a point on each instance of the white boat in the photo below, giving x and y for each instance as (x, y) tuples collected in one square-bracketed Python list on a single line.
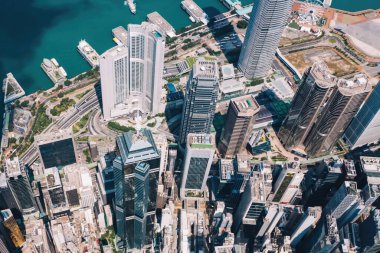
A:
[(132, 6)]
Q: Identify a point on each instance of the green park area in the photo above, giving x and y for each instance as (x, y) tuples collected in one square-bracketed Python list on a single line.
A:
[(62, 106)]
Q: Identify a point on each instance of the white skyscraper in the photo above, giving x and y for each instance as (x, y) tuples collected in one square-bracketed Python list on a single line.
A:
[(268, 20), (131, 75), (200, 149)]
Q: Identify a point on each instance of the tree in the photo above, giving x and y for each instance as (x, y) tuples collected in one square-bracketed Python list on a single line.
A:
[(60, 95), (24, 103), (67, 82), (242, 24)]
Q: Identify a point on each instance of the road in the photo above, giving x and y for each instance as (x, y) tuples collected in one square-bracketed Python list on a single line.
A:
[(87, 103)]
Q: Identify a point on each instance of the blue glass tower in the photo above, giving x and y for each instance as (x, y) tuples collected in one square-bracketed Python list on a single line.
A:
[(136, 169)]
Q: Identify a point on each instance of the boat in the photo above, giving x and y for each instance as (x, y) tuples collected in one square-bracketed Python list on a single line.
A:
[(132, 6)]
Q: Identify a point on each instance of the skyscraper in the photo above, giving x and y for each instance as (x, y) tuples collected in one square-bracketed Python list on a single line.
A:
[(365, 126), (315, 88), (9, 224), (238, 125), (308, 222), (136, 169), (131, 75), (200, 100), (7, 199), (343, 104), (20, 187), (344, 198), (268, 20), (200, 149)]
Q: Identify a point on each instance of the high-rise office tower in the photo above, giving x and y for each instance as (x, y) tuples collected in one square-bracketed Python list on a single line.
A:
[(343, 104), (9, 224), (7, 199), (56, 149), (200, 149), (136, 169), (324, 238), (344, 198), (200, 99), (238, 126), (308, 222), (268, 20), (365, 126), (3, 246), (20, 186), (320, 180), (315, 88), (287, 185), (273, 215), (131, 75), (252, 203), (369, 233)]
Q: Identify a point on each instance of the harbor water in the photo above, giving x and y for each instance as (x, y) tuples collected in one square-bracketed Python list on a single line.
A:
[(31, 30)]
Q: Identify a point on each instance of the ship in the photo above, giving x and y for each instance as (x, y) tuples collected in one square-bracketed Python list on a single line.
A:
[(88, 53), (131, 5)]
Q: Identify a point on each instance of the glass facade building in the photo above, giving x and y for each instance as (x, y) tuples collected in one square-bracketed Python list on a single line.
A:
[(365, 126), (136, 170), (58, 153), (200, 100)]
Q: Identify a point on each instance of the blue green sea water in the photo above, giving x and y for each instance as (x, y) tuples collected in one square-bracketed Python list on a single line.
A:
[(31, 30)]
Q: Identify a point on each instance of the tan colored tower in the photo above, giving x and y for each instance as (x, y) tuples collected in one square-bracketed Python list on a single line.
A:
[(240, 118), (10, 225)]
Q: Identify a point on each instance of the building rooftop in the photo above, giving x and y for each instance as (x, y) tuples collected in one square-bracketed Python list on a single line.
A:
[(370, 164), (206, 69), (226, 169), (193, 8), (115, 52), (201, 141), (137, 146), (52, 137), (357, 85), (231, 86), (246, 105), (121, 34), (13, 167), (158, 20), (228, 71), (320, 71), (52, 177)]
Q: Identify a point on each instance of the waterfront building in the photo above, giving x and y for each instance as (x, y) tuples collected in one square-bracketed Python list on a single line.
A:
[(268, 20), (343, 104), (9, 225), (136, 169), (19, 184), (56, 149), (365, 126), (238, 126), (315, 88), (200, 100), (132, 74), (200, 149)]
